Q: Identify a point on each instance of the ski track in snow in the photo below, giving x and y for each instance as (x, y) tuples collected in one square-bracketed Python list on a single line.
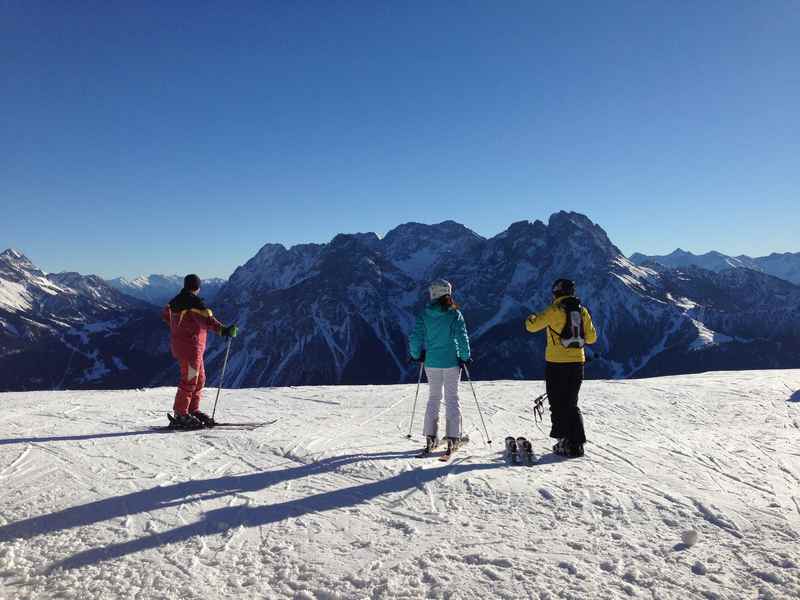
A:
[(330, 501)]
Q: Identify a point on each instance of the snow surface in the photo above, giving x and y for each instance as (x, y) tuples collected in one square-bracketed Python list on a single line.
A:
[(706, 337), (682, 302), (14, 296), (690, 488)]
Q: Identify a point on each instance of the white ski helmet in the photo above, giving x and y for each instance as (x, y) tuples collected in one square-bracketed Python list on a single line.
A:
[(439, 288)]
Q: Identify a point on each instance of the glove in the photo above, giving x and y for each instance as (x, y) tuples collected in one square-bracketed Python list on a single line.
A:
[(463, 363), (420, 359), (231, 331)]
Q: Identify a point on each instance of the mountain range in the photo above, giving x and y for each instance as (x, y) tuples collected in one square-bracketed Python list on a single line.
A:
[(67, 330), (340, 313), (160, 289), (785, 266)]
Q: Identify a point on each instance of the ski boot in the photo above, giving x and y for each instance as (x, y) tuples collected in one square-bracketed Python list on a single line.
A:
[(453, 444), (564, 447), (525, 450), (431, 443), (512, 453), (203, 418), (185, 422)]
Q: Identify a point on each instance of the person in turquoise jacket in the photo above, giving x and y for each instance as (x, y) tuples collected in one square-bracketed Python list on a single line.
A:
[(441, 342)]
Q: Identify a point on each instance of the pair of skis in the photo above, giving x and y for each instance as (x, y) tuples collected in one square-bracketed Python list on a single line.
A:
[(248, 426), (519, 451)]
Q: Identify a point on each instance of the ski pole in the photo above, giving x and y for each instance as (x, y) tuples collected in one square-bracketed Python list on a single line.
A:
[(480, 413), (221, 377), (538, 411), (414, 409)]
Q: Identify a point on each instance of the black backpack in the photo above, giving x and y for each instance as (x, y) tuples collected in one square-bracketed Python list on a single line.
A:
[(572, 335)]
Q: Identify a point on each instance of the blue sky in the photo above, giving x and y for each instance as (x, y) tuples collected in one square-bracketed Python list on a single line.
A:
[(143, 138)]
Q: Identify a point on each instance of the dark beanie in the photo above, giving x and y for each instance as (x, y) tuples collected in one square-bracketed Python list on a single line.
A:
[(191, 282)]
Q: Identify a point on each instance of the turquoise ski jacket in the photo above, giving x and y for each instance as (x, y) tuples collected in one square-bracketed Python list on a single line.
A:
[(443, 335)]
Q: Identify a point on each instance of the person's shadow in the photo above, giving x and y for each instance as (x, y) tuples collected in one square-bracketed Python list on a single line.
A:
[(795, 397), (82, 437), (222, 519)]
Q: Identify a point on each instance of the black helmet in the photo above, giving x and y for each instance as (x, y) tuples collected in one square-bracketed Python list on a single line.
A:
[(191, 282), (564, 287)]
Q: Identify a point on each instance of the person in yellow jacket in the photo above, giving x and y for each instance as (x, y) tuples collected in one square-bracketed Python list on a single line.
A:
[(565, 358)]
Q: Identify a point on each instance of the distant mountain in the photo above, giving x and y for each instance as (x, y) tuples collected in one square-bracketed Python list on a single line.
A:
[(713, 261), (341, 312), (71, 331), (160, 289), (785, 266)]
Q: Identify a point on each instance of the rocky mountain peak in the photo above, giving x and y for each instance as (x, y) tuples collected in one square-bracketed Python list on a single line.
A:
[(369, 239), (353, 241), (444, 231), (564, 218), (575, 234), (16, 267), (13, 254), (525, 229), (267, 254), (16, 259)]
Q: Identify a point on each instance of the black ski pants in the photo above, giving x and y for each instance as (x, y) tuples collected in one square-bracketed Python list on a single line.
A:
[(563, 381)]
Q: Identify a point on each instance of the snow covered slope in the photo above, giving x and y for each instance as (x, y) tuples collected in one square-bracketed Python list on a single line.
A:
[(329, 502), (67, 330)]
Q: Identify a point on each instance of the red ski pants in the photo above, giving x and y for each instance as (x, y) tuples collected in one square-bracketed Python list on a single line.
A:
[(190, 387)]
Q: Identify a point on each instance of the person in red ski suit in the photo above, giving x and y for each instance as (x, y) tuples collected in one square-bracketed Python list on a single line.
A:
[(189, 322)]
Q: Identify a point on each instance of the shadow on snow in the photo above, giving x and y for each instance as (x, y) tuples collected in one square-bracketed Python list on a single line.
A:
[(82, 437), (223, 519)]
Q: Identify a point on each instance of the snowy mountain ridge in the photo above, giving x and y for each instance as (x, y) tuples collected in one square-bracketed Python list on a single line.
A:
[(160, 289), (21, 282), (70, 330), (784, 266), (341, 312)]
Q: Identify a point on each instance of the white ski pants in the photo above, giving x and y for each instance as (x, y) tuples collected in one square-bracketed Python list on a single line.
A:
[(447, 379)]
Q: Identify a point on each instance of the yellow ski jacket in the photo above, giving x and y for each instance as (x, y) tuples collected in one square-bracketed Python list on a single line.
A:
[(553, 319)]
